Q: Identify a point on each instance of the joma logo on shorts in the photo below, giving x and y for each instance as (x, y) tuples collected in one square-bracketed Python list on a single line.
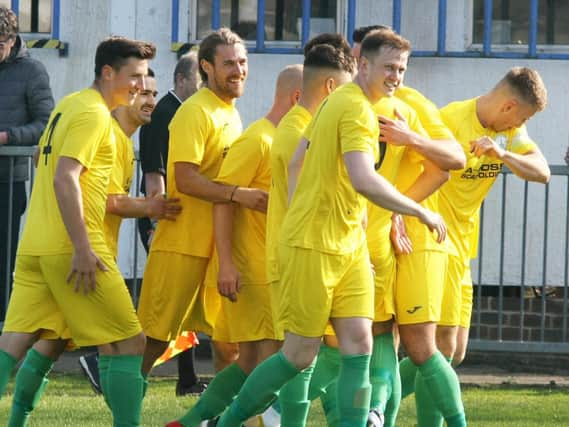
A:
[(414, 309)]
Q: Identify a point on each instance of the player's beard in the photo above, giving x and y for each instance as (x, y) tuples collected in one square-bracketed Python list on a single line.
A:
[(229, 90)]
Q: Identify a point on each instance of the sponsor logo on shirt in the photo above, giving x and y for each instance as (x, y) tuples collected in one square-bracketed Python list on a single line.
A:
[(484, 171)]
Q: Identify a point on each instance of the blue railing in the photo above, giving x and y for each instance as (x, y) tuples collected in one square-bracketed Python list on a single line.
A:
[(486, 50)]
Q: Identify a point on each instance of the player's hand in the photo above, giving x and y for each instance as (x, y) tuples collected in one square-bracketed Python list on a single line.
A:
[(399, 238), (252, 198), (486, 146), (160, 208), (435, 222), (228, 283), (84, 266), (395, 132)]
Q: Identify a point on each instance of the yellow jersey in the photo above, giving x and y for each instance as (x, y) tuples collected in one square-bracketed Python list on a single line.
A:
[(287, 136), (462, 196), (325, 212), (411, 167), (201, 132), (248, 164), (390, 156), (121, 178), (79, 128)]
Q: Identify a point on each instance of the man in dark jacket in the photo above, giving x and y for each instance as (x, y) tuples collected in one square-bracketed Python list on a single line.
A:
[(25, 104)]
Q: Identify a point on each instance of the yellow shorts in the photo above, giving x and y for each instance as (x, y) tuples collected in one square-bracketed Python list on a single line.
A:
[(275, 290), (317, 287), (466, 299), (248, 319), (419, 286), (452, 294), (173, 295), (384, 281), (42, 300)]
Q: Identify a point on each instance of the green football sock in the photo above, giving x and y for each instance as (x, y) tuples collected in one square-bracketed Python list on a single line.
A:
[(293, 398), (392, 408), (216, 397), (407, 372), (30, 383), (326, 370), (259, 391), (354, 390), (124, 388), (382, 370), (443, 388), (7, 364), (103, 363), (427, 414), (329, 401)]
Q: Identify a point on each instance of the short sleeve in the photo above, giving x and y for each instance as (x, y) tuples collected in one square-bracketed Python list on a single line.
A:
[(189, 131), (358, 130), (242, 161), (521, 143), (84, 135)]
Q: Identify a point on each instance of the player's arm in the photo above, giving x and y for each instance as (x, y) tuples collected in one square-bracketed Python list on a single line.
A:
[(69, 199), (228, 276), (154, 184), (426, 184), (295, 165), (190, 182), (156, 207), (531, 166), (379, 191), (447, 154)]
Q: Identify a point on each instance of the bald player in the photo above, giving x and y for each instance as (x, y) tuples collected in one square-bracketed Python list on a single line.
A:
[(246, 315)]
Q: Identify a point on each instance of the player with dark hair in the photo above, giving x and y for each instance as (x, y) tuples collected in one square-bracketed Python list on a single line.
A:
[(67, 209)]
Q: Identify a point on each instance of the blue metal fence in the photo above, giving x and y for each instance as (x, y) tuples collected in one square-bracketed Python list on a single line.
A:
[(487, 50), (528, 309)]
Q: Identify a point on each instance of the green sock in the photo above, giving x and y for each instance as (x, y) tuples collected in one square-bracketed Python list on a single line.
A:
[(427, 414), (407, 372), (103, 363), (7, 364), (124, 388), (354, 390), (293, 398), (329, 401), (325, 371), (392, 408), (259, 391), (30, 383), (216, 397), (382, 370), (443, 388)]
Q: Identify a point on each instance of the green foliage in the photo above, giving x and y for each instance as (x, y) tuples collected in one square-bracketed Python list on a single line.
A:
[(69, 401)]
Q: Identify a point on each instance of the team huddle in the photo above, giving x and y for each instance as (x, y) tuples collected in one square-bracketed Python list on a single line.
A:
[(309, 246)]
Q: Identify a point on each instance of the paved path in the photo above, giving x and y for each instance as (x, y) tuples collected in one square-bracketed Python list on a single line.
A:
[(469, 374)]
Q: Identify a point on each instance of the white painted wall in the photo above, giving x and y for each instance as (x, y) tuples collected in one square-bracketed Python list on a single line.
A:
[(85, 23)]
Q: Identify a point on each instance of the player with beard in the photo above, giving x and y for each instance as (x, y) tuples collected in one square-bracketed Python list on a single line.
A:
[(201, 132)]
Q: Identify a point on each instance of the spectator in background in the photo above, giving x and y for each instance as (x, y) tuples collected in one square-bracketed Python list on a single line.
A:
[(154, 138), (25, 104)]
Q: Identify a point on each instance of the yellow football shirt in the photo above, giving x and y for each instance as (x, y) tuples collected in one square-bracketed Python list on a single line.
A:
[(79, 128), (379, 219), (201, 132), (462, 196), (248, 164), (121, 179), (287, 136), (411, 167), (326, 212)]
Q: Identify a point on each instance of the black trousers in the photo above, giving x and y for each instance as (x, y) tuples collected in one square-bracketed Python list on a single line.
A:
[(7, 258)]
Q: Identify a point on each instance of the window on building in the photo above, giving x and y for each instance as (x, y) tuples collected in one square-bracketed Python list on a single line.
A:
[(34, 16), (511, 22), (283, 18)]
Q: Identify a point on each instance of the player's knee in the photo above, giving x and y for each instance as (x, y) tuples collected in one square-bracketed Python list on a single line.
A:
[(359, 342), (301, 356)]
